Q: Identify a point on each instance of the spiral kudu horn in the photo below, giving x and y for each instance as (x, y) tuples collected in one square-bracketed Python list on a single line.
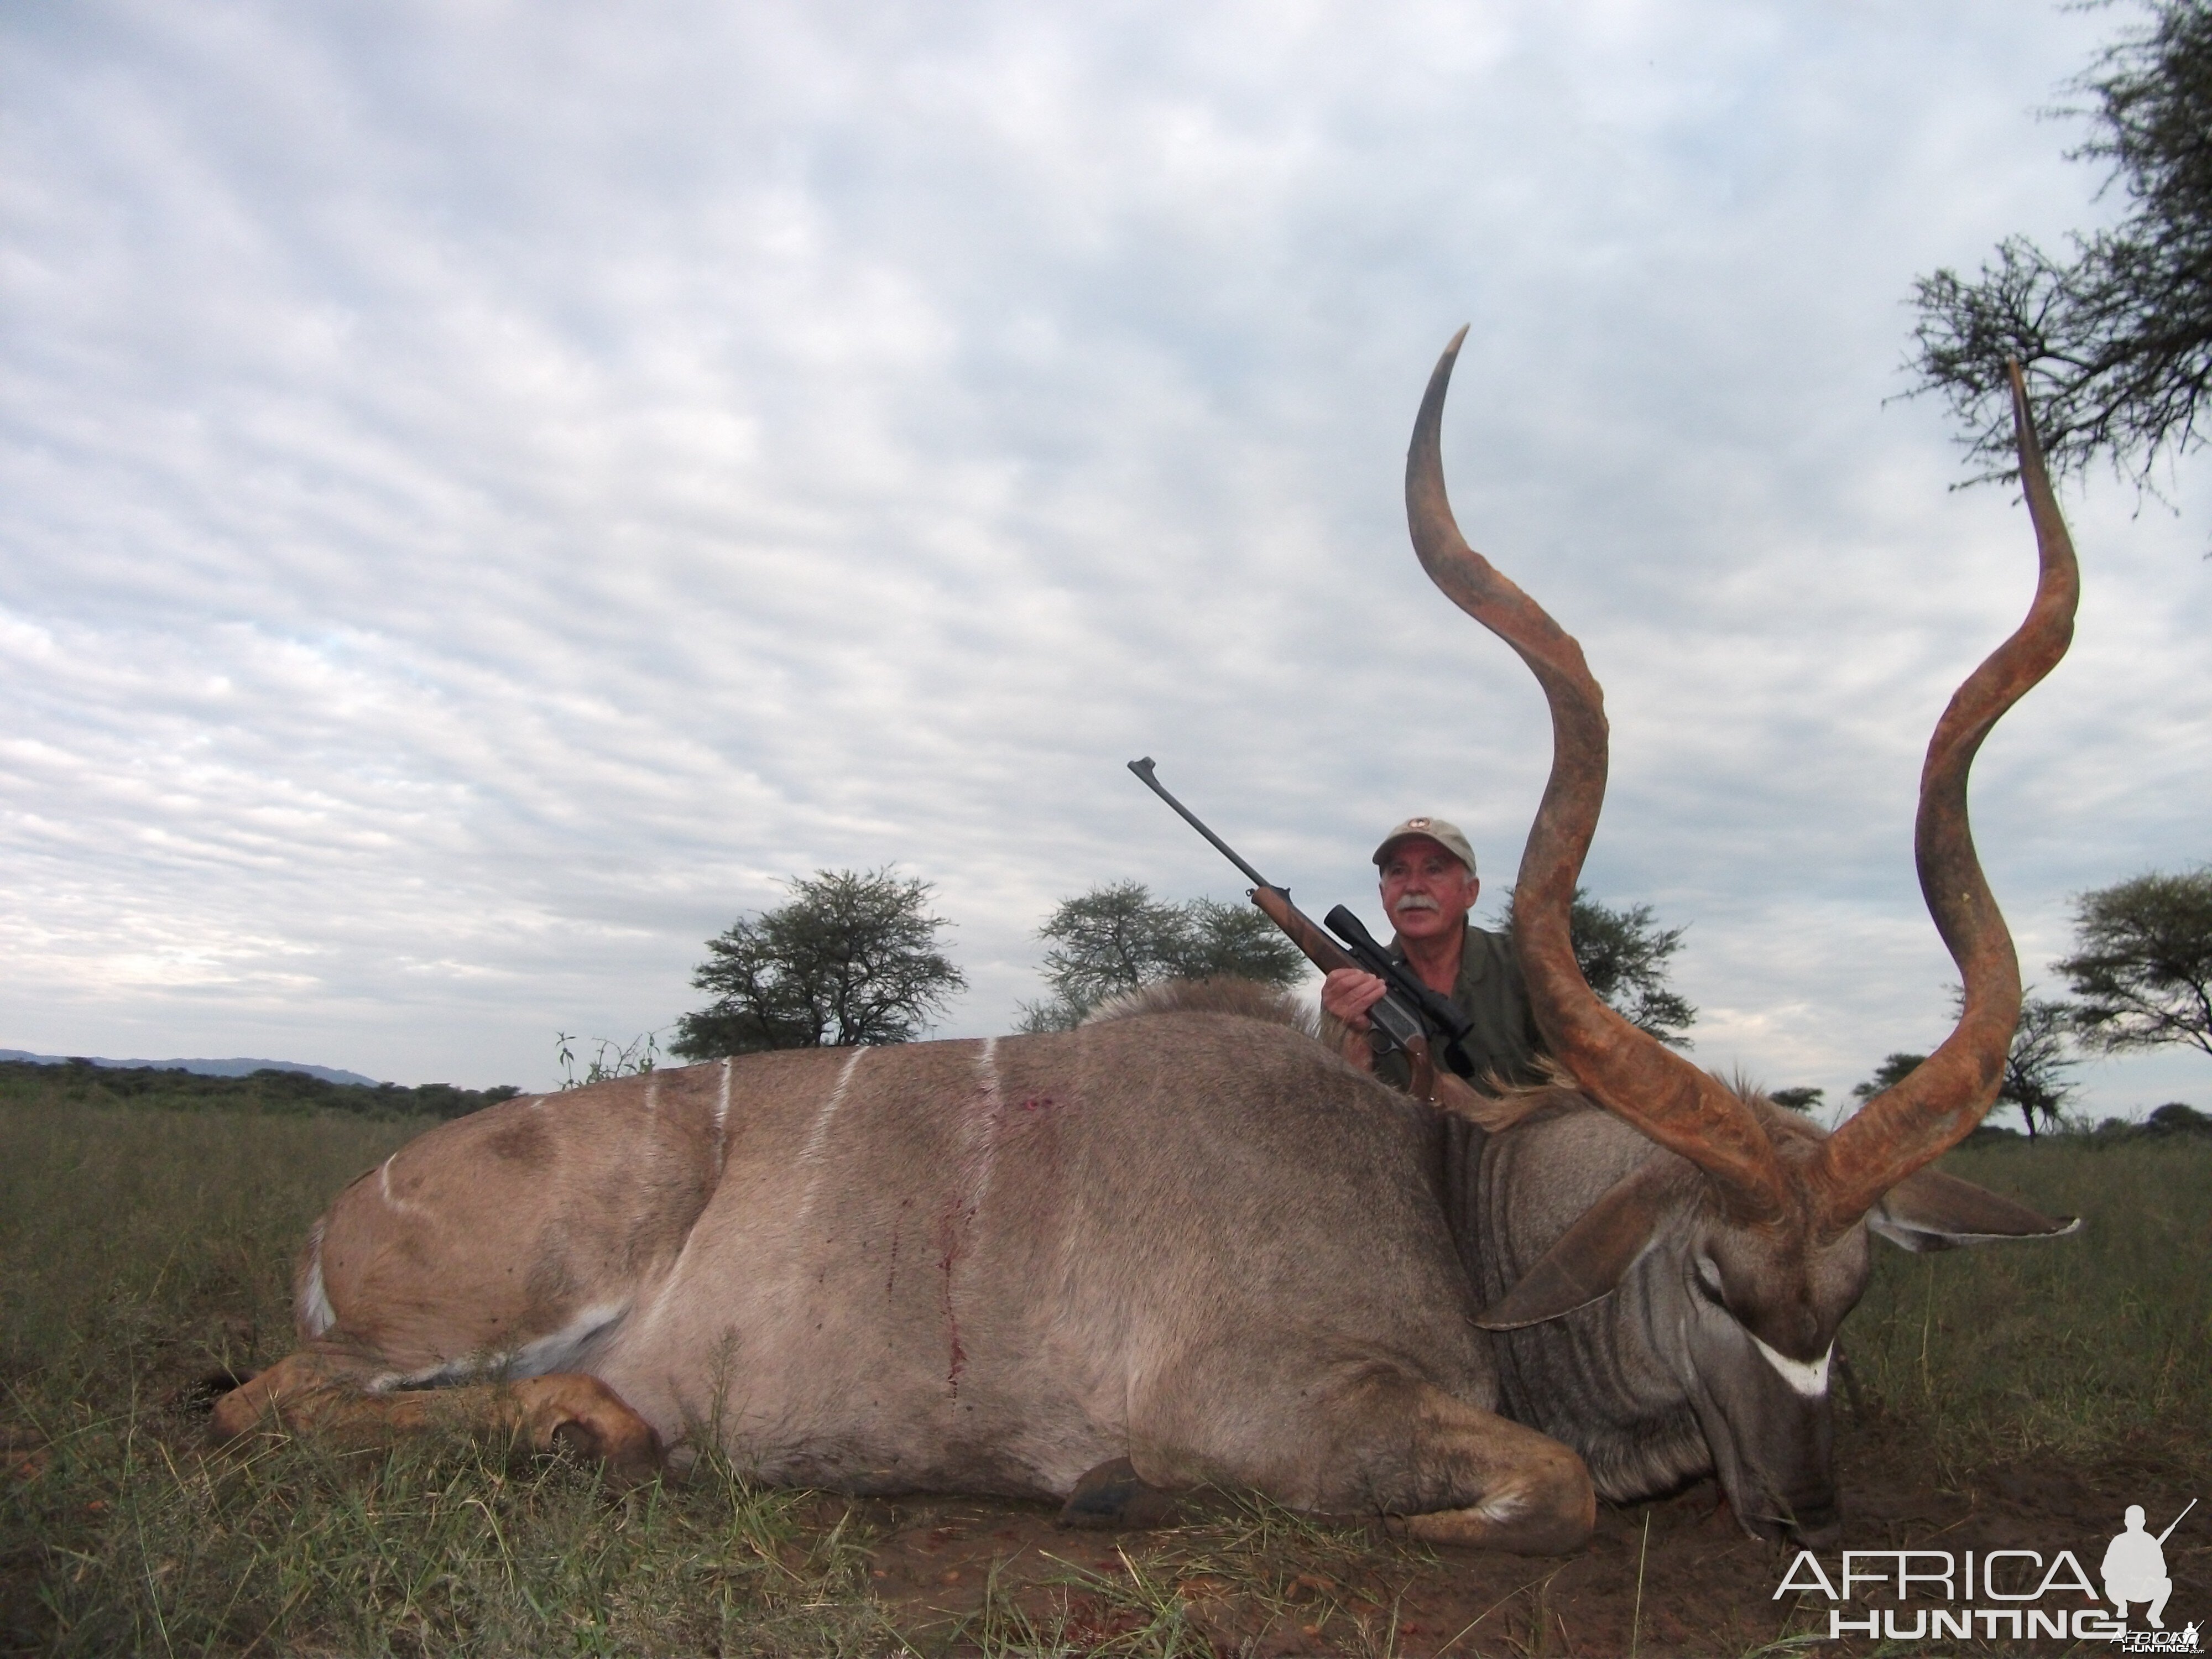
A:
[(1933, 1107), (1626, 1070)]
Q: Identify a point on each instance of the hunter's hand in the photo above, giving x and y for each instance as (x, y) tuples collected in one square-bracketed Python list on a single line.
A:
[(1349, 993)]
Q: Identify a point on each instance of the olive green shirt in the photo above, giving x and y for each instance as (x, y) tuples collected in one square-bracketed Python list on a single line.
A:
[(1489, 992)]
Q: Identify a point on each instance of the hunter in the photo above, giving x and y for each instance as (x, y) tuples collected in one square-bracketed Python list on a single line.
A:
[(1429, 884)]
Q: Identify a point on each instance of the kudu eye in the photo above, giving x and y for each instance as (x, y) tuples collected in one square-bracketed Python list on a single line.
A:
[(1709, 1282)]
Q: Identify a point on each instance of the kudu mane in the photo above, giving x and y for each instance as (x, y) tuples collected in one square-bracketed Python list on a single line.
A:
[(1223, 993), (1555, 1091)]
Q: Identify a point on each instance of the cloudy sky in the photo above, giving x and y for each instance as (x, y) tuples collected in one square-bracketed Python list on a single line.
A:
[(489, 492)]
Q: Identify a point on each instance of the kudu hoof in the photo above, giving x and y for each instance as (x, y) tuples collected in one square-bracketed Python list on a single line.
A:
[(1112, 1497), (604, 1430), (625, 1463)]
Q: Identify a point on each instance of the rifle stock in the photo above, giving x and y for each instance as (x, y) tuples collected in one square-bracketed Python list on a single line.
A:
[(1431, 1082), (1400, 1025), (1323, 951)]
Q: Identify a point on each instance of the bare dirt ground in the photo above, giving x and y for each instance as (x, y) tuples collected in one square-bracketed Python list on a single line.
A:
[(1674, 1577)]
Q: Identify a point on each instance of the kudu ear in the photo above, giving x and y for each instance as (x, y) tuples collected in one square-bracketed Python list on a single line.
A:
[(1591, 1257), (1931, 1211)]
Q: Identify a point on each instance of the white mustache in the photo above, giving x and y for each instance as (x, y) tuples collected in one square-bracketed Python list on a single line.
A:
[(1416, 901)]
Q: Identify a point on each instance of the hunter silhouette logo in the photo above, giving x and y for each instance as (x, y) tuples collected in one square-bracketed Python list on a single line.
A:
[(2135, 1570)]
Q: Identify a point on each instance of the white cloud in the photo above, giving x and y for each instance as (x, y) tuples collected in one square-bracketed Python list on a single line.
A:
[(490, 492)]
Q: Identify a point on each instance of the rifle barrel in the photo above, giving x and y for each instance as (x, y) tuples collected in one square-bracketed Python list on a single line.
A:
[(2176, 1522), (1143, 769)]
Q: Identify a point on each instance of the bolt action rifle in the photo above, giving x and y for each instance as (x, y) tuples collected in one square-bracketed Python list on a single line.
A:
[(2176, 1520), (1409, 1014)]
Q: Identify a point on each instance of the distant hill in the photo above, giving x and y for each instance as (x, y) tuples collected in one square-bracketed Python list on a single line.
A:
[(205, 1067), (42, 1080)]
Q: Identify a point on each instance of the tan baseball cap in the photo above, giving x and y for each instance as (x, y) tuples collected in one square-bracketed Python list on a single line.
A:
[(1446, 836)]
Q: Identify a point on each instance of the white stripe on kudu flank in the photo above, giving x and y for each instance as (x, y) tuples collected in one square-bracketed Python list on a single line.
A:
[(812, 1155), (674, 1278), (315, 1313), (1811, 1381), (975, 1155), (976, 1152), (987, 1149), (399, 1205)]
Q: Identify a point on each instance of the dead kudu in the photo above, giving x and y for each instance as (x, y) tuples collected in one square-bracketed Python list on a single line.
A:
[(1195, 1240)]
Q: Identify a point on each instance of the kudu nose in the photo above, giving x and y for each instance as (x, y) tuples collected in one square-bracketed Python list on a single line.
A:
[(1813, 1519)]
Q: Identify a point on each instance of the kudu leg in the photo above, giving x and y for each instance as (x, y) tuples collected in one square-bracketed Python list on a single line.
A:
[(315, 1395), (1448, 1472)]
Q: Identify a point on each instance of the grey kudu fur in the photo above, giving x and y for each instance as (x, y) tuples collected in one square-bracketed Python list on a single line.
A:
[(1193, 1239)]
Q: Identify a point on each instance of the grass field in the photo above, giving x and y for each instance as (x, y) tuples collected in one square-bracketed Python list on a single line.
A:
[(141, 1249)]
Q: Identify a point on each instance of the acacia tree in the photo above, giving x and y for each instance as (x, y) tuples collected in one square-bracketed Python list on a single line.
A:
[(2142, 962), (1117, 937), (1894, 1069), (1623, 954), (2037, 1063), (852, 958), (2116, 340)]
